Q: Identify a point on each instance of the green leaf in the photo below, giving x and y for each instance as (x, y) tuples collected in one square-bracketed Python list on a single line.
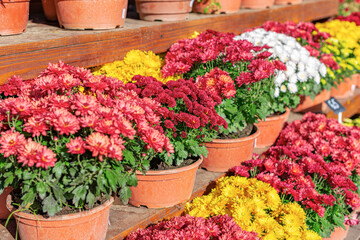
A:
[(101, 182), (29, 197), (50, 206), (125, 194), (131, 180), (111, 178), (129, 156), (9, 180), (58, 169), (58, 192), (90, 199), (79, 193)]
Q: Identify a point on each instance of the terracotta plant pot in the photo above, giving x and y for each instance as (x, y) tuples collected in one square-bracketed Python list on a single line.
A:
[(84, 225), (339, 233), (257, 4), (4, 211), (14, 16), (307, 102), (270, 129), (91, 14), (164, 10), (49, 10), (226, 6), (357, 79), (160, 189), (227, 153), (285, 2), (343, 90)]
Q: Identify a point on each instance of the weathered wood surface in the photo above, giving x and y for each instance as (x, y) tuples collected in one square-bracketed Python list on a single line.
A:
[(29, 53)]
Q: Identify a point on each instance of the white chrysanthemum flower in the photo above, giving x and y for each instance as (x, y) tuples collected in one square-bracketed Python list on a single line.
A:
[(289, 70), (284, 57), (301, 67), (288, 49), (260, 31), (278, 50), (311, 71), (312, 62), (293, 79), (305, 52), (283, 88), (295, 56), (302, 76), (317, 78), (304, 58), (277, 92), (298, 45), (291, 44), (292, 87), (291, 64), (279, 79), (322, 70)]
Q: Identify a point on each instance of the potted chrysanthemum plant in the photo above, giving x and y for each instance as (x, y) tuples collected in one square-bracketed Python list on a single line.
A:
[(70, 142), (213, 59), (301, 76)]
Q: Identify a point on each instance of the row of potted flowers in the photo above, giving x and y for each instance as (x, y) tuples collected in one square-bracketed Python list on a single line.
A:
[(304, 187), (70, 139)]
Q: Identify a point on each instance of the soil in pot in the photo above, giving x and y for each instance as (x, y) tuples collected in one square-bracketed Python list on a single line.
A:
[(227, 153), (247, 131), (156, 164)]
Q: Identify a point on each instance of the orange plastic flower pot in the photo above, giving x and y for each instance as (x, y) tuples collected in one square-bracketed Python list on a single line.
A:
[(4, 211), (14, 16), (84, 225), (257, 4), (91, 14), (227, 153), (161, 189), (270, 129), (339, 233), (285, 2), (343, 90), (357, 79), (163, 10), (49, 10), (307, 102), (225, 6)]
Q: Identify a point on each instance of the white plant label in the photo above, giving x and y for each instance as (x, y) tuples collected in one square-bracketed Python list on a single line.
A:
[(123, 13)]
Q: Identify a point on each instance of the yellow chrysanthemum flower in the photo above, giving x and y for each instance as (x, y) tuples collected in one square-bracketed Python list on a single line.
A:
[(136, 62), (254, 205)]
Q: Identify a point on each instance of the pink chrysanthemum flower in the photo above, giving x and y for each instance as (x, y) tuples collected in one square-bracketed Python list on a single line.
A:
[(36, 126), (84, 104), (154, 139), (66, 124), (76, 146), (116, 147), (28, 153), (45, 157), (98, 144), (11, 142)]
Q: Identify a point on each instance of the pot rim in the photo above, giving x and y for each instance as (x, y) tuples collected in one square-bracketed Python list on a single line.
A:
[(237, 140), (274, 118), (13, 1), (70, 216), (172, 171), (140, 1)]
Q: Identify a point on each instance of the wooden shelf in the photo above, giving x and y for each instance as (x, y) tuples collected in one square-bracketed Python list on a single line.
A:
[(29, 53)]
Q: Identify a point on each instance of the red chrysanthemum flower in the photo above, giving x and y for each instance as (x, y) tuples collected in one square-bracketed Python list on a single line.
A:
[(76, 146), (98, 144)]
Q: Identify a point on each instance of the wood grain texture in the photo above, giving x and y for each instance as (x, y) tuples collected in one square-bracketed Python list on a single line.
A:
[(29, 53)]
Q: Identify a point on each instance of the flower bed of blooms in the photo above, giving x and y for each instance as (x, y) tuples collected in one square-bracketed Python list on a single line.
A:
[(86, 135), (187, 227), (344, 46), (135, 62), (353, 17), (248, 65), (314, 162), (303, 72), (67, 137), (255, 206), (312, 39)]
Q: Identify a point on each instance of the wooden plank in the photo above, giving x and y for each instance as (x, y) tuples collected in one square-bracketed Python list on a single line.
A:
[(29, 53)]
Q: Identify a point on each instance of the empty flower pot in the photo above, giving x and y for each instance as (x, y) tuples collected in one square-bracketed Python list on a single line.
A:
[(164, 10), (14, 16), (343, 90), (91, 14), (257, 4)]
